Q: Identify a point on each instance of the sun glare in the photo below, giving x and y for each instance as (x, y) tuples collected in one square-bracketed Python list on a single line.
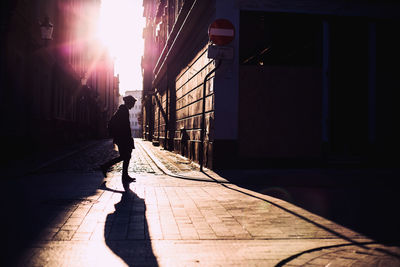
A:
[(120, 29)]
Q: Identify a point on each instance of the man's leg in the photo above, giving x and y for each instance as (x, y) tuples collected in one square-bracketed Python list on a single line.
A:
[(125, 152), (104, 167), (125, 166)]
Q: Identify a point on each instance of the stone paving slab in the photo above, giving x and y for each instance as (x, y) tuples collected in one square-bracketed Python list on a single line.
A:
[(333, 252), (199, 219)]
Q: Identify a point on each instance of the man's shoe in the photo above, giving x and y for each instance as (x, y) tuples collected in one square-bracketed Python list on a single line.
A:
[(127, 179)]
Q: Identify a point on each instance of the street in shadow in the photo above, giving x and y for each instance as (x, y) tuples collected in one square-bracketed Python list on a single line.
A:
[(32, 204), (126, 231), (364, 200), (37, 201)]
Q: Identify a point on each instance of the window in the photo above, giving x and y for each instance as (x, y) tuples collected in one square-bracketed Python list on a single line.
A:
[(279, 39)]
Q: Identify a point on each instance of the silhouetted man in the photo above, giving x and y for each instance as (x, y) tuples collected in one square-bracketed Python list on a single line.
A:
[(120, 130)]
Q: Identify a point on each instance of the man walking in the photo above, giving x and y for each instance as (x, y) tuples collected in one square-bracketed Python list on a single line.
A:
[(120, 131)]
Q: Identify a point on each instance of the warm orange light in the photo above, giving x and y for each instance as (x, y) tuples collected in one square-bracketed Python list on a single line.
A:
[(120, 29)]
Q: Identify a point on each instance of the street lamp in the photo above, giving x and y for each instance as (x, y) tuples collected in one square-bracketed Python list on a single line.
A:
[(46, 29)]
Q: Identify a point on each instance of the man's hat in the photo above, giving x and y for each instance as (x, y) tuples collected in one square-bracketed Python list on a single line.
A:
[(129, 99)]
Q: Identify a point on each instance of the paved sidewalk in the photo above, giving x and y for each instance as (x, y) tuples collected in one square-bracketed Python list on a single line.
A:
[(177, 216)]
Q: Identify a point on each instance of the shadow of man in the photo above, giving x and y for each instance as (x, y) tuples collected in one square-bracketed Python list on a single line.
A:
[(126, 232)]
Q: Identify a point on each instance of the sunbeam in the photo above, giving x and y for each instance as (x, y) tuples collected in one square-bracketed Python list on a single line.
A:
[(120, 29)]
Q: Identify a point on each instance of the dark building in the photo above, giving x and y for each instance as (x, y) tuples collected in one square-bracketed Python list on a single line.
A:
[(310, 81), (58, 91)]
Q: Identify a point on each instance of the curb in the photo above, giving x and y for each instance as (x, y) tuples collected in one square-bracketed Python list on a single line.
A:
[(209, 177)]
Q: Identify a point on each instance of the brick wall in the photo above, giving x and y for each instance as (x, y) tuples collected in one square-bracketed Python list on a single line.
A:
[(189, 104)]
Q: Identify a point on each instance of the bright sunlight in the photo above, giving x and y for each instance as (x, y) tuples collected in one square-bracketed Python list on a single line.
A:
[(120, 28)]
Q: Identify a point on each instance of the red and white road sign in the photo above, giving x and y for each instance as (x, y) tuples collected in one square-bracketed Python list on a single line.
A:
[(221, 32)]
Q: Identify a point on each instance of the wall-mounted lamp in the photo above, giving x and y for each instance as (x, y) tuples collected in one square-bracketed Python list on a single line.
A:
[(46, 29)]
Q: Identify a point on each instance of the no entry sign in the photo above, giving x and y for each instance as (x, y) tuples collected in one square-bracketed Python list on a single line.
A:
[(221, 32)]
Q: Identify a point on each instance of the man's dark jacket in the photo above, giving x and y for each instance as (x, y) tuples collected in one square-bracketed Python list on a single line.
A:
[(119, 127)]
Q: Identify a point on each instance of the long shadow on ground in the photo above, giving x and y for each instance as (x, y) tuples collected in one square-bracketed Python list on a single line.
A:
[(365, 200), (126, 232), (32, 202)]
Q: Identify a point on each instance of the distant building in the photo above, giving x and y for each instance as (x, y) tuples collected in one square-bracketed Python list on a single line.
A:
[(135, 114)]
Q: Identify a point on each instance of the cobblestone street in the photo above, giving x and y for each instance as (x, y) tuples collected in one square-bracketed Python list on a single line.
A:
[(173, 216)]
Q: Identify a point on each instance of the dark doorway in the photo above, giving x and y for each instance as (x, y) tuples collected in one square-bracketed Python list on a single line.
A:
[(348, 100), (280, 85), (387, 93)]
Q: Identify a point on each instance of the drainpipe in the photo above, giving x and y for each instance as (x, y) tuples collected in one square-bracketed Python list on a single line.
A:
[(203, 116), (166, 122)]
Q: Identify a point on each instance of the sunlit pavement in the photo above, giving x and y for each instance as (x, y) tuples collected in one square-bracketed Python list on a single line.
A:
[(176, 216)]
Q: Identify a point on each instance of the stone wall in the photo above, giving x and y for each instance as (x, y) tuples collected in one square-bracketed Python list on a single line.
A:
[(189, 105)]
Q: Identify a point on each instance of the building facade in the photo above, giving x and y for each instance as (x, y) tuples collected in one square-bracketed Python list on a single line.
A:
[(58, 91), (135, 114), (310, 82)]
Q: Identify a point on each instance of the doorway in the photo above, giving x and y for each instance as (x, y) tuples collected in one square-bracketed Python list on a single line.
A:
[(348, 90)]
